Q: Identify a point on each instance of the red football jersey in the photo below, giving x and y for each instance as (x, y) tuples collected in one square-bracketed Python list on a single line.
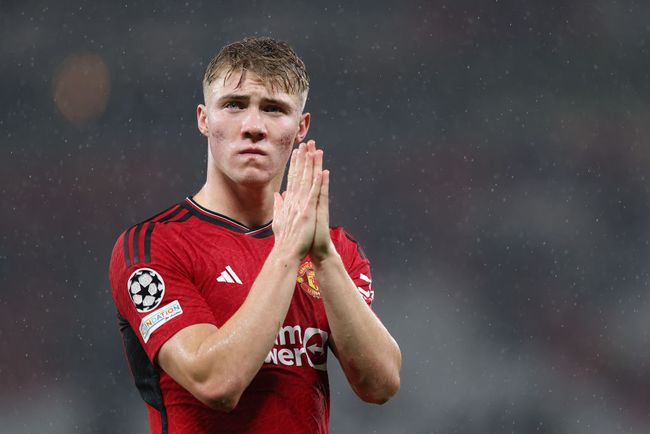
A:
[(188, 265)]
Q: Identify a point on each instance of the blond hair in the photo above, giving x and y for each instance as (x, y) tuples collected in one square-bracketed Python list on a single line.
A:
[(274, 62)]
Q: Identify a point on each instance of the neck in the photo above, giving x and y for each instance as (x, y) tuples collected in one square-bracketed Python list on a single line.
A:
[(249, 205)]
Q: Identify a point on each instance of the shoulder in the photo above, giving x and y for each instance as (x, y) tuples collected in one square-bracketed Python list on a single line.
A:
[(155, 244), (355, 261), (345, 243), (134, 245)]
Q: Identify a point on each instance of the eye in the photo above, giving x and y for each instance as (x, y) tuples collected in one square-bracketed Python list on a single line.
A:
[(273, 109), (233, 105)]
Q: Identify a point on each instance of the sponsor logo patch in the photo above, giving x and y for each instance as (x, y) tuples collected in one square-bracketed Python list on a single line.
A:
[(297, 347), (307, 279), (146, 289), (151, 322)]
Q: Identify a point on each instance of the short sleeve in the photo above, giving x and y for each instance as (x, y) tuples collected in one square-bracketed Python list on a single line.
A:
[(151, 282), (356, 263)]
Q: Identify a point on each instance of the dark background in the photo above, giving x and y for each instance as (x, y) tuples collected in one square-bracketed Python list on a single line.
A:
[(491, 156)]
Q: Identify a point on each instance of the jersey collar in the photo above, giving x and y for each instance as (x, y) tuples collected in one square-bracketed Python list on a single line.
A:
[(226, 222)]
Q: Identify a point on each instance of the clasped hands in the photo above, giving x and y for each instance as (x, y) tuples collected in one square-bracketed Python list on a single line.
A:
[(301, 213)]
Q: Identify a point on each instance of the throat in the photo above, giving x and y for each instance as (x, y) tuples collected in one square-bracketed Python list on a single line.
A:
[(249, 207)]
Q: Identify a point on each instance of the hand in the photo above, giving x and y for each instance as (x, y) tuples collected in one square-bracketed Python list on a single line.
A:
[(294, 212), (322, 246)]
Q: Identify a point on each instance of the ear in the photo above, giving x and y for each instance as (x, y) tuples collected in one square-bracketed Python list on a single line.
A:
[(303, 127), (202, 119)]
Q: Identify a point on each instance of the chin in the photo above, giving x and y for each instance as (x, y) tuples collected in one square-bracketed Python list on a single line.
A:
[(254, 179), (253, 183)]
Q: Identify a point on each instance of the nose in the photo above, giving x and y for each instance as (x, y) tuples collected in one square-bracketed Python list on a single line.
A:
[(253, 125)]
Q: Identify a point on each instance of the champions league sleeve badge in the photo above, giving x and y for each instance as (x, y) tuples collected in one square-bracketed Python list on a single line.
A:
[(146, 289)]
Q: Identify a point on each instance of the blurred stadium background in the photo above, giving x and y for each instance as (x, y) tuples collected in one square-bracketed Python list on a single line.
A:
[(492, 158)]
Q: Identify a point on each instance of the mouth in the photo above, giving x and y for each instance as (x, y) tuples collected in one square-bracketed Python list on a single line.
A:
[(252, 151)]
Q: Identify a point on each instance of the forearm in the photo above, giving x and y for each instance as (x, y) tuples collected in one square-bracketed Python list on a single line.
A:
[(216, 365), (243, 342), (368, 354)]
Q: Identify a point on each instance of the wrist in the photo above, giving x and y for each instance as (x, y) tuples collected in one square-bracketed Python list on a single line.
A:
[(282, 258), (323, 254)]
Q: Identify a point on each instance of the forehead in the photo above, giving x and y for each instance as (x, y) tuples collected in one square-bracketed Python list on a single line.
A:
[(247, 83)]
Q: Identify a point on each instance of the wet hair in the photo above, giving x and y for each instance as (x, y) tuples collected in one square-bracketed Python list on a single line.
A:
[(274, 62)]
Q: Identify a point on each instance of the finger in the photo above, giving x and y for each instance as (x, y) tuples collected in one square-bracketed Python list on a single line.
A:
[(291, 176), (315, 190), (318, 161), (298, 169), (311, 145), (308, 173), (324, 199), (277, 204)]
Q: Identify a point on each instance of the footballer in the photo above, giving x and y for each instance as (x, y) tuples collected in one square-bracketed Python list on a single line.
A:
[(231, 301)]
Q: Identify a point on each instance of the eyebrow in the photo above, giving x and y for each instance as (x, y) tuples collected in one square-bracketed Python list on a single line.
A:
[(242, 97)]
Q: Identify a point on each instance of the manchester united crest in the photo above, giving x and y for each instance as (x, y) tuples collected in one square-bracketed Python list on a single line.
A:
[(307, 279)]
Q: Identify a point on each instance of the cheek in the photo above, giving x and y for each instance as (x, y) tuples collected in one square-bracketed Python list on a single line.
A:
[(216, 145), (217, 136), (220, 130), (286, 145), (286, 141), (289, 132)]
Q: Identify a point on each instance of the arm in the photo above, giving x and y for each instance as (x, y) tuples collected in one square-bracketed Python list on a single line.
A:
[(368, 354), (217, 364)]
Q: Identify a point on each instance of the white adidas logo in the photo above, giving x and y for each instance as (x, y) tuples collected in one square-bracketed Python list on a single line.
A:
[(229, 276)]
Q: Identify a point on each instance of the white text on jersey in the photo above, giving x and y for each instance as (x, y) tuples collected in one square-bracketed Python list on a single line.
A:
[(293, 347)]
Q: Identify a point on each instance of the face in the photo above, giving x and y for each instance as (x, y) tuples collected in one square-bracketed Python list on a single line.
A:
[(250, 129)]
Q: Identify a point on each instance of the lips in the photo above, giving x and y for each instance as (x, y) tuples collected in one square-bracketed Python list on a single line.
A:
[(253, 151)]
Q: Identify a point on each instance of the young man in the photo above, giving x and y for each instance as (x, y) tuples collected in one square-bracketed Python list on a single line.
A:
[(230, 300)]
